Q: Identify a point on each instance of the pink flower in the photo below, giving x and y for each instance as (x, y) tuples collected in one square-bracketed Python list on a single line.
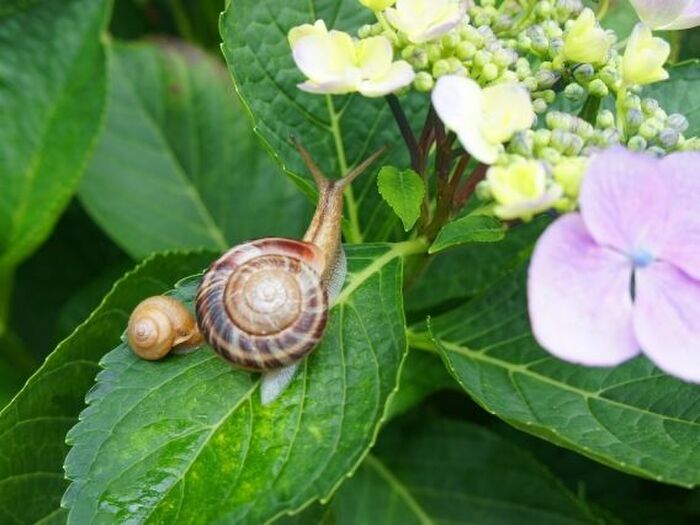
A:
[(668, 14), (623, 276)]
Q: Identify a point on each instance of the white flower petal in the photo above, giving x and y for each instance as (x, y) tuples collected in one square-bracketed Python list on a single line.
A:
[(400, 75), (374, 56)]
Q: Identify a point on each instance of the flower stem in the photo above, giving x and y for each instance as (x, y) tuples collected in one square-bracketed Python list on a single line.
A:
[(406, 131), (353, 232), (603, 7)]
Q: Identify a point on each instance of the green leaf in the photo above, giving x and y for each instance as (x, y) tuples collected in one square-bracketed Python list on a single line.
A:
[(53, 89), (467, 270), (186, 439), (632, 417), (427, 470), (469, 229), (681, 93), (178, 165), (340, 131), (403, 191), (422, 374), (33, 426)]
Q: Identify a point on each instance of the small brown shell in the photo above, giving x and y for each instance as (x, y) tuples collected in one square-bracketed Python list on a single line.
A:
[(262, 305), (159, 324)]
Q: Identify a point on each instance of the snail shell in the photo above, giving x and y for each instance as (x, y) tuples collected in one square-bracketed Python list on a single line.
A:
[(263, 304), (159, 324)]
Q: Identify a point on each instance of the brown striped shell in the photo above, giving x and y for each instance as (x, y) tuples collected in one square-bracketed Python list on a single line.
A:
[(263, 304)]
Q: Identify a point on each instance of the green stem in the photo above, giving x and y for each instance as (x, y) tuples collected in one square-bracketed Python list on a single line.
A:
[(676, 38), (384, 23), (182, 21), (5, 295), (353, 233), (603, 9), (620, 110)]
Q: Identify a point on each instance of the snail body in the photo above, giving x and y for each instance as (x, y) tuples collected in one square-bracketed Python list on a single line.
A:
[(158, 325), (264, 304)]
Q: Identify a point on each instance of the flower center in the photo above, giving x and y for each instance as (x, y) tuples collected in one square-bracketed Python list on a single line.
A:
[(642, 258)]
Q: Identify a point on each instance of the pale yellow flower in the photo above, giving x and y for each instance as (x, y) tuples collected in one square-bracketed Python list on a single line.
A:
[(482, 118), (569, 174), (424, 20), (586, 41), (645, 56), (336, 64), (521, 190)]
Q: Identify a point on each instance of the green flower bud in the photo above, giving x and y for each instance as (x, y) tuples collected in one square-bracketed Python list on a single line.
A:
[(523, 143), (597, 88), (490, 72), (441, 68), (648, 130), (650, 106), (605, 119), (669, 138), (482, 58), (546, 79), (678, 122), (637, 143), (548, 95), (584, 73), (539, 105), (530, 83), (540, 44), (465, 50), (365, 31), (575, 92), (423, 82), (542, 137), (557, 119), (634, 118), (550, 155), (434, 52), (504, 57)]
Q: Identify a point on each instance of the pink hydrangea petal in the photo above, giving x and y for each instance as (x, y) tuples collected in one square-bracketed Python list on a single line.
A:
[(690, 17), (625, 201), (682, 239), (667, 319), (579, 297), (659, 13)]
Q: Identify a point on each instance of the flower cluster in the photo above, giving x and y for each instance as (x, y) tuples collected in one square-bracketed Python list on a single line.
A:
[(542, 99), (490, 69)]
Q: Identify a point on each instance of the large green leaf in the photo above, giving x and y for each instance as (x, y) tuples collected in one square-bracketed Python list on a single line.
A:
[(52, 96), (339, 131), (439, 471), (466, 270), (633, 417), (187, 440), (33, 426), (681, 93), (178, 165)]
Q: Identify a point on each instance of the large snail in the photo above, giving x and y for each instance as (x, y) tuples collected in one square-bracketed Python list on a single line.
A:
[(264, 304)]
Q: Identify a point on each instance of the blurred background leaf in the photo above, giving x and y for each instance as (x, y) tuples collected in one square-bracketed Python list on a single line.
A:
[(177, 166), (52, 97)]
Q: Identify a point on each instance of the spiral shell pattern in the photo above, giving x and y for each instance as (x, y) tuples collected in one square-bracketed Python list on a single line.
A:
[(262, 305)]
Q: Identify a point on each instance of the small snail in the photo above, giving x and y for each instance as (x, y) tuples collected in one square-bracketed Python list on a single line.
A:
[(160, 324), (264, 304)]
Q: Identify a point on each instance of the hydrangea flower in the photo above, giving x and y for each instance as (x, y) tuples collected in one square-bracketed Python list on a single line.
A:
[(336, 64), (424, 20), (668, 14), (586, 41), (482, 118), (623, 276), (644, 58), (521, 190)]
